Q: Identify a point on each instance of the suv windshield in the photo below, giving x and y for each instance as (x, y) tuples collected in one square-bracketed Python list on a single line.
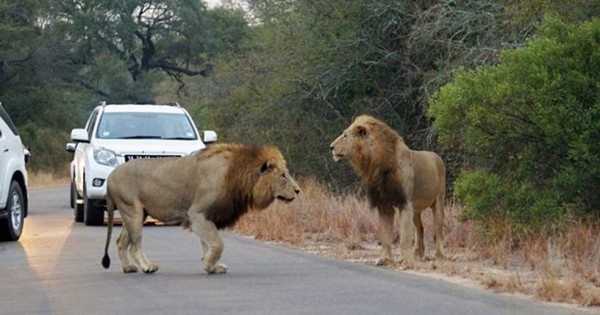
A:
[(4, 116), (145, 126)]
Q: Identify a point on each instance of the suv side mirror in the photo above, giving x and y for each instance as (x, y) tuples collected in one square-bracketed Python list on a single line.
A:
[(27, 154), (209, 136), (70, 147), (80, 135)]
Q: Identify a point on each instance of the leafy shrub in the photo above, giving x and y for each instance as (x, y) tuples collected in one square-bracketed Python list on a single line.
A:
[(528, 128)]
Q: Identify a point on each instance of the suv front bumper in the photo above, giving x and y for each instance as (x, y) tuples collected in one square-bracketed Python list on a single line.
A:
[(95, 181)]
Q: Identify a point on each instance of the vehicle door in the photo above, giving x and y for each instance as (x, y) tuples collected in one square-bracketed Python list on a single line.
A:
[(3, 160), (10, 146)]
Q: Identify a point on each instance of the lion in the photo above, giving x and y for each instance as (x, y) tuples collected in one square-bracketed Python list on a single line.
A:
[(395, 177), (203, 193)]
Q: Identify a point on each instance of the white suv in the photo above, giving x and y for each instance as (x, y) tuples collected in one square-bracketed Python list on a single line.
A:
[(13, 180), (115, 134)]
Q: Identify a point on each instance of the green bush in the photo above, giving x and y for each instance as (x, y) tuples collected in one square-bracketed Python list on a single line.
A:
[(528, 128)]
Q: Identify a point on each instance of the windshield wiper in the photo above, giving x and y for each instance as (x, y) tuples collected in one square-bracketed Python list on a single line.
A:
[(178, 138), (140, 137)]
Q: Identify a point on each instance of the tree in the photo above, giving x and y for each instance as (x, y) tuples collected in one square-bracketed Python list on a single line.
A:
[(144, 39), (528, 128), (314, 65), (19, 38)]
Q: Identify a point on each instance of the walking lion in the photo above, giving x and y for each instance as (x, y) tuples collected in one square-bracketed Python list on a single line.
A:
[(205, 193)]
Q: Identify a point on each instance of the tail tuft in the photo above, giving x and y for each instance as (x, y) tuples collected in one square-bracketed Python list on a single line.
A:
[(105, 261)]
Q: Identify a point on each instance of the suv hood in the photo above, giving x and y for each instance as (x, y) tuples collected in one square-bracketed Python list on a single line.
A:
[(150, 146)]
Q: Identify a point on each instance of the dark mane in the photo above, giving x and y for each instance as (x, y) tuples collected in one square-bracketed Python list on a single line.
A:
[(243, 173), (386, 191), (380, 169)]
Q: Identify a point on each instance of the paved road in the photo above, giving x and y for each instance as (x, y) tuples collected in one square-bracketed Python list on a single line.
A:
[(55, 269)]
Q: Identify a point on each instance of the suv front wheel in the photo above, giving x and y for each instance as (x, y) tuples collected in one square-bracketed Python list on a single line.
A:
[(13, 224), (92, 214), (76, 203)]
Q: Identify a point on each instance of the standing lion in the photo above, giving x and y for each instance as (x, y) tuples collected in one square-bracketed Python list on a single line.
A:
[(396, 178), (205, 193)]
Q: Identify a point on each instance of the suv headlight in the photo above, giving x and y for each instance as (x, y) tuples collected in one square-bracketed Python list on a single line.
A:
[(105, 157)]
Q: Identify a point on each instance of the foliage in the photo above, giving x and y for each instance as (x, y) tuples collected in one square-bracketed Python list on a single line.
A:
[(529, 127), (295, 72), (33, 87), (60, 58), (309, 67), (141, 39)]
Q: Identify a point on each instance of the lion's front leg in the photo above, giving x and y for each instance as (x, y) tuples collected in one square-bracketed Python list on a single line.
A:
[(212, 243), (407, 234), (386, 227)]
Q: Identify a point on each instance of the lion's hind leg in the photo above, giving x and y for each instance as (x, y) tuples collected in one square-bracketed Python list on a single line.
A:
[(133, 220), (212, 244), (438, 223), (419, 249), (123, 247)]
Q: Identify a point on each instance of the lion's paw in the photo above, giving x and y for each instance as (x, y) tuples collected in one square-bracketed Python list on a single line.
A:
[(217, 269), (151, 269), (130, 269), (406, 266), (383, 261)]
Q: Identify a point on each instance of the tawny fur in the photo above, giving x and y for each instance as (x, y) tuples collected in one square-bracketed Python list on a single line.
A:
[(396, 178), (204, 193)]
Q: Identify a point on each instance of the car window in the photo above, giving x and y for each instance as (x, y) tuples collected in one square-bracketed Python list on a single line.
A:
[(92, 122), (145, 126), (7, 120)]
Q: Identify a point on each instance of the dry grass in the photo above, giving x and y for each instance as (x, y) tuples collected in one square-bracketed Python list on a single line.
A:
[(559, 267), (40, 179)]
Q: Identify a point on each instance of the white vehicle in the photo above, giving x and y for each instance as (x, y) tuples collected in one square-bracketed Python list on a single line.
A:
[(13, 180), (115, 134)]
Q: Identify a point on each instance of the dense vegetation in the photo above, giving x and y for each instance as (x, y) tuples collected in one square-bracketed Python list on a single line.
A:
[(528, 127), (515, 83)]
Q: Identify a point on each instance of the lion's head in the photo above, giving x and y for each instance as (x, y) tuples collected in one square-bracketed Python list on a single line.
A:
[(275, 181), (367, 142)]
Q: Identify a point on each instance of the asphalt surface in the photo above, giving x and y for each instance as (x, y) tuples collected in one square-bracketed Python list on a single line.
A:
[(55, 269)]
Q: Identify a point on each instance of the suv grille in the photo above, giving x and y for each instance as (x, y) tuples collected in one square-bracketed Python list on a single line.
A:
[(141, 156)]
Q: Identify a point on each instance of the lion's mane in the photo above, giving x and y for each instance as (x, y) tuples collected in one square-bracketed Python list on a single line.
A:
[(376, 160)]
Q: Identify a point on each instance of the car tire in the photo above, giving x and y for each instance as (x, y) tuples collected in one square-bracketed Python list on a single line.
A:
[(11, 228), (92, 214), (77, 206), (73, 199)]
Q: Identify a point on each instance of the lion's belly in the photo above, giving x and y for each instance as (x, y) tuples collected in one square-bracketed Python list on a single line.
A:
[(165, 209)]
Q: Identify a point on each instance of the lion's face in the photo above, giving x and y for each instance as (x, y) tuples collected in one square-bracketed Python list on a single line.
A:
[(275, 182), (349, 142)]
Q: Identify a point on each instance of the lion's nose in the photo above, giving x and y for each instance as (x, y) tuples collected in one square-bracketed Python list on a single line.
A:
[(297, 190), (331, 147)]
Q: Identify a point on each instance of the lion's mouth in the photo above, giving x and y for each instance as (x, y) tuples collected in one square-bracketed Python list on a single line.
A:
[(285, 199), (337, 157)]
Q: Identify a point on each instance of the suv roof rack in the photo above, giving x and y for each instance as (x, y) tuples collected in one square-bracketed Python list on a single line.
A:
[(174, 104), (103, 103)]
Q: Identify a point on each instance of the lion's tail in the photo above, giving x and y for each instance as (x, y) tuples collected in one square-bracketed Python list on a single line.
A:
[(110, 209)]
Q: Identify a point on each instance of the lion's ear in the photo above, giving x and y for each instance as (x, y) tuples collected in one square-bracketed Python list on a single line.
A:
[(360, 131), (265, 167)]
